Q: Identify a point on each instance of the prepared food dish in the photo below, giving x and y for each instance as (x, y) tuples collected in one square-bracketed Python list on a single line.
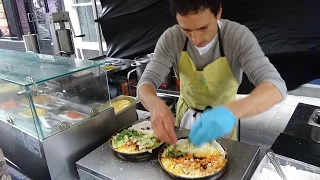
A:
[(81, 73), (120, 104), (11, 104), (187, 161), (37, 100), (9, 87), (138, 138), (28, 112), (110, 67), (73, 115), (49, 122)]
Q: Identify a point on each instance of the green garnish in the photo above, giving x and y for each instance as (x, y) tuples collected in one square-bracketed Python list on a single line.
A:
[(175, 153), (142, 141), (129, 133)]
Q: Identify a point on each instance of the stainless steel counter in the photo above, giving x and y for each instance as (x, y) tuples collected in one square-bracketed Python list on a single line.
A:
[(103, 164)]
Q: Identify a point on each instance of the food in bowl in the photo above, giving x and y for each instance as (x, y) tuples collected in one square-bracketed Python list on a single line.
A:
[(9, 87), (120, 104), (138, 138), (187, 161), (11, 104), (28, 112), (82, 73), (73, 115), (37, 100)]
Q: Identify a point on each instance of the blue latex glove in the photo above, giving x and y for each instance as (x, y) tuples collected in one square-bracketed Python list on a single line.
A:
[(212, 124)]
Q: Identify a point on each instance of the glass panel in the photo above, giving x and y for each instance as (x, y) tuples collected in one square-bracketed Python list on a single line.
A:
[(14, 107), (47, 108), (29, 68), (64, 102)]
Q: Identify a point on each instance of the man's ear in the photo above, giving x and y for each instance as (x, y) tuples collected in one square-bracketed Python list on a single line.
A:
[(219, 14)]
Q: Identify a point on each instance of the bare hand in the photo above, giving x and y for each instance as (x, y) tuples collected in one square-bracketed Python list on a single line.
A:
[(162, 122)]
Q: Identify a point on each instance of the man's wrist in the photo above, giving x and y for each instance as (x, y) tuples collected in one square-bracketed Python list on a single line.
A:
[(237, 108), (156, 102)]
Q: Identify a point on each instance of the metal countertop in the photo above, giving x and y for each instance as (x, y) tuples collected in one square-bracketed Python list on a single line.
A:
[(102, 163)]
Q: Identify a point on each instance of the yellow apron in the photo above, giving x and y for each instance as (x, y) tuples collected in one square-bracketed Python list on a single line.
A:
[(214, 85)]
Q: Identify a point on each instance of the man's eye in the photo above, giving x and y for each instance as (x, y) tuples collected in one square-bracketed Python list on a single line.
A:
[(203, 28)]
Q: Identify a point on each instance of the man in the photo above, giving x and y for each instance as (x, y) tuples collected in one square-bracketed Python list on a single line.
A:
[(209, 55)]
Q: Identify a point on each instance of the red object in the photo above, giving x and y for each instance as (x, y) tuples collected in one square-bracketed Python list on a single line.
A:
[(75, 115), (178, 82), (11, 104), (164, 86)]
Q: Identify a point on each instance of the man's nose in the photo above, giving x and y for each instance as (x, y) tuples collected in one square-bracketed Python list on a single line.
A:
[(196, 38)]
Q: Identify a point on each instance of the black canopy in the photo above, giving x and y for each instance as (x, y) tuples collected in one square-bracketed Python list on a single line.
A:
[(287, 30)]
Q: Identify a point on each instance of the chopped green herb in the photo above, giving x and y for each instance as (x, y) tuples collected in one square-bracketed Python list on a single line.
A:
[(175, 153), (143, 141), (129, 133)]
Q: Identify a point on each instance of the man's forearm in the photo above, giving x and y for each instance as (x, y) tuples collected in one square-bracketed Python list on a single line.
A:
[(263, 97), (147, 96)]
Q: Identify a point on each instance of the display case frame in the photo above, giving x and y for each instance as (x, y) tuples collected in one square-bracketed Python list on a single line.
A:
[(60, 83)]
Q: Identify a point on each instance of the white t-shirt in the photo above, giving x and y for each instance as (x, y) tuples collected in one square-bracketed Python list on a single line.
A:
[(204, 49)]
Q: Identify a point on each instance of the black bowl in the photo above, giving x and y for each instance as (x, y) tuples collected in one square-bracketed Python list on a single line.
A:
[(140, 156), (214, 176)]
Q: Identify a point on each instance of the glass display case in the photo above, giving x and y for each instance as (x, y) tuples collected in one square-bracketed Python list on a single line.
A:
[(43, 94), (53, 111)]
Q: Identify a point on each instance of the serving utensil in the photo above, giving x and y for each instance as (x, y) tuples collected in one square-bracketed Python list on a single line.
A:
[(274, 161)]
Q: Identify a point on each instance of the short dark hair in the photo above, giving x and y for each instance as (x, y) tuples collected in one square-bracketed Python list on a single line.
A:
[(185, 7)]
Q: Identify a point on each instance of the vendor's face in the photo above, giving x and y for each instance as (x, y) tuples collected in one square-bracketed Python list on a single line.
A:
[(200, 28)]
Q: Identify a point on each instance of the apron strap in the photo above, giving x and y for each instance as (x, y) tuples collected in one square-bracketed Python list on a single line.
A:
[(201, 111), (220, 43), (185, 44)]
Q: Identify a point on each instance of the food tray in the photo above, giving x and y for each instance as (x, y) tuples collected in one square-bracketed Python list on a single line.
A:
[(126, 116), (25, 102), (214, 176), (11, 94), (74, 106), (143, 156), (133, 101), (50, 122), (21, 110), (82, 74), (65, 116), (285, 161), (9, 88)]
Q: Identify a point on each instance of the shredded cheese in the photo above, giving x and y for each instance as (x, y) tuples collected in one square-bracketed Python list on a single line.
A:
[(196, 162)]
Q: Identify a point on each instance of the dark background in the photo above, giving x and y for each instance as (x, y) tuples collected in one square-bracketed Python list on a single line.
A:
[(287, 30)]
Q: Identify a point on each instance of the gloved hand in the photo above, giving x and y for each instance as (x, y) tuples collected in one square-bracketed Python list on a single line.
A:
[(212, 124)]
